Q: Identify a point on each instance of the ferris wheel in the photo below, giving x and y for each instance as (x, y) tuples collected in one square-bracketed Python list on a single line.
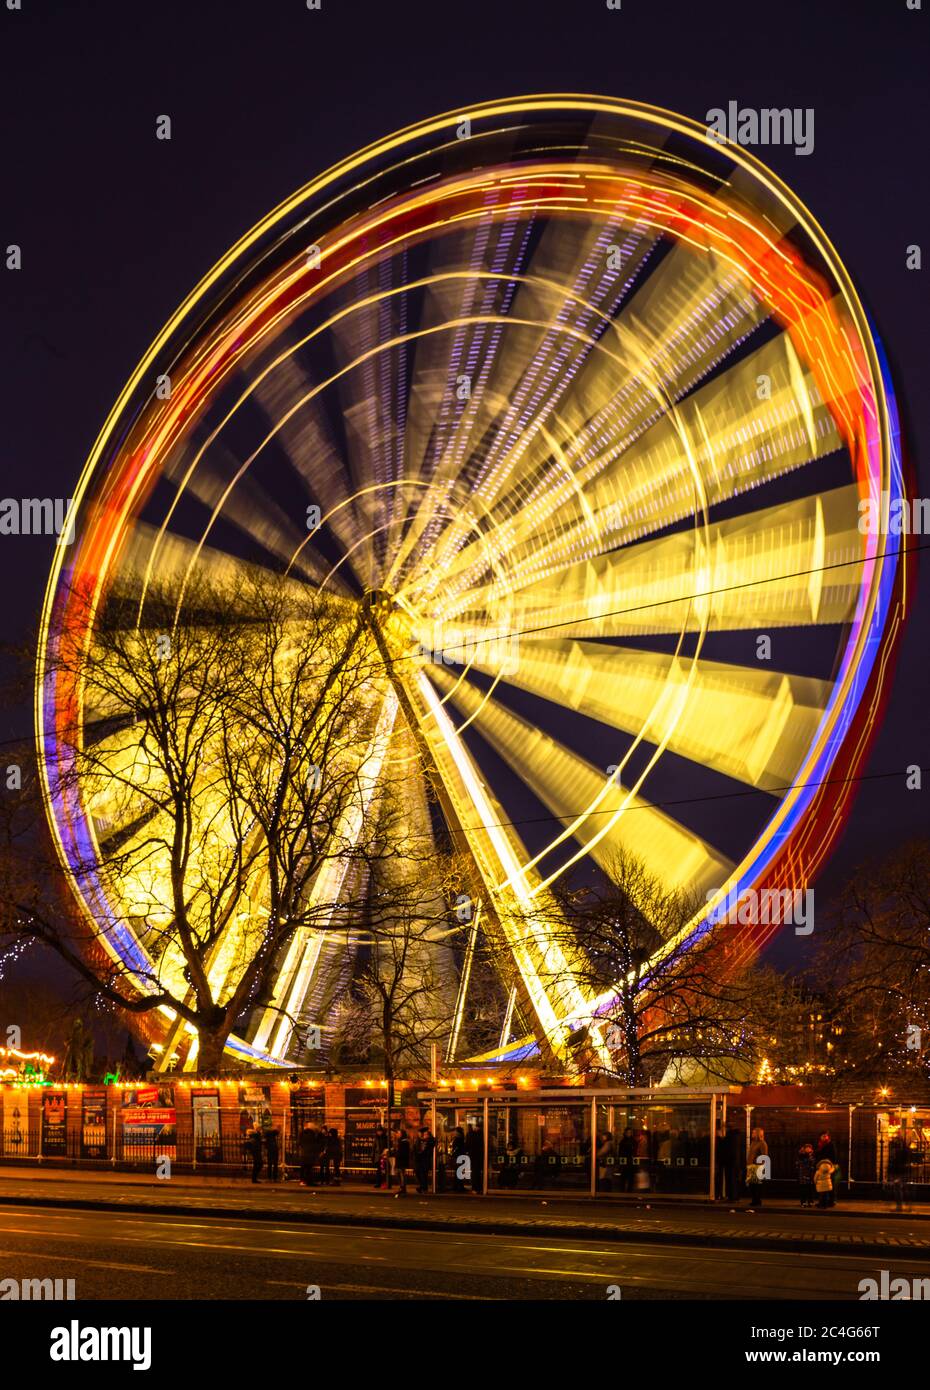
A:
[(568, 409)]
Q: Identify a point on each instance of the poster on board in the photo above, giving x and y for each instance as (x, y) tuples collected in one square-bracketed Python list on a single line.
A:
[(17, 1140), (54, 1123), (254, 1107), (206, 1112), (94, 1122), (149, 1122)]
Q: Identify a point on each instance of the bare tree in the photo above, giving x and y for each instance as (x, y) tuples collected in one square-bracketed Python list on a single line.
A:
[(400, 1001), (666, 999), (873, 966), (226, 761)]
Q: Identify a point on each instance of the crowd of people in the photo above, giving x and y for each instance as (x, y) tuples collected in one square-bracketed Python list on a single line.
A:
[(320, 1156), (817, 1169), (632, 1162), (320, 1152), (393, 1155), (262, 1144)]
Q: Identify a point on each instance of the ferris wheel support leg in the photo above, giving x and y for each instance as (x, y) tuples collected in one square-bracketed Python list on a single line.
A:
[(371, 607)]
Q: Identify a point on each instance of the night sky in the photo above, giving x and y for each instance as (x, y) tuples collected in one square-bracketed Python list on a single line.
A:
[(116, 227)]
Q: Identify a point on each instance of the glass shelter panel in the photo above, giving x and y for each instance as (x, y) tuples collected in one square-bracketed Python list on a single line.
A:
[(653, 1148), (539, 1146)]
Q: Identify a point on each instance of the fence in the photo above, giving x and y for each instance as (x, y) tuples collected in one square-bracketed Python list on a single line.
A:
[(862, 1139), (219, 1147)]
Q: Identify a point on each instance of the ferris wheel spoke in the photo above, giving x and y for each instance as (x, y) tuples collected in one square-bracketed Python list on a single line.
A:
[(452, 402), (518, 380), (570, 280), (721, 441), (373, 398), (800, 563), (255, 515), (593, 808), (547, 976), (481, 273), (751, 724), (309, 441), (665, 343)]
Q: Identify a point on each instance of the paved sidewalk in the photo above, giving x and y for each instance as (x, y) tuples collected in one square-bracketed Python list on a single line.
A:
[(866, 1226)]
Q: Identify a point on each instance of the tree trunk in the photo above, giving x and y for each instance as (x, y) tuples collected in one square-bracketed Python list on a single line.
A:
[(211, 1056)]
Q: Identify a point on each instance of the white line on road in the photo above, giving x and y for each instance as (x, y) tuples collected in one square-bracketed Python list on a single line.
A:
[(390, 1288), (79, 1260)]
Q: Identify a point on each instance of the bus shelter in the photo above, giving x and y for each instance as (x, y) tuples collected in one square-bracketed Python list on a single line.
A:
[(575, 1140)]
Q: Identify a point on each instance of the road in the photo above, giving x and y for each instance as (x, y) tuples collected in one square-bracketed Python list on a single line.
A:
[(113, 1254)]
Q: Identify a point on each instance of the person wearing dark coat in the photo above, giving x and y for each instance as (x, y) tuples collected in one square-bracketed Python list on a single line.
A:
[(720, 1163), (331, 1158), (400, 1160), (626, 1149), (474, 1147), (311, 1150), (806, 1166), (547, 1165), (271, 1151), (253, 1144), (899, 1166), (513, 1159), (826, 1148), (423, 1158), (379, 1147)]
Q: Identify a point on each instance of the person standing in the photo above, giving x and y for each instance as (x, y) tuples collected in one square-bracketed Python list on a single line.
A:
[(474, 1147), (271, 1152), (379, 1154), (317, 1148), (332, 1157), (458, 1154), (253, 1144), (898, 1169), (513, 1159), (605, 1160), (309, 1154), (721, 1147), (400, 1159), (826, 1147), (826, 1150), (423, 1158), (823, 1182), (806, 1174), (548, 1164), (626, 1150), (755, 1169)]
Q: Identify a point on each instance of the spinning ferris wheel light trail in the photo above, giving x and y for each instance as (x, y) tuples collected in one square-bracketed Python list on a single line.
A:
[(593, 399)]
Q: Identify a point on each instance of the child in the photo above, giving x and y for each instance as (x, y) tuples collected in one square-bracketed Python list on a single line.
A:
[(823, 1181), (806, 1174)]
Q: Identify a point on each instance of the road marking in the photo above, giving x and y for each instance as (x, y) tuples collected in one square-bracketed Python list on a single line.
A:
[(390, 1288), (79, 1260)]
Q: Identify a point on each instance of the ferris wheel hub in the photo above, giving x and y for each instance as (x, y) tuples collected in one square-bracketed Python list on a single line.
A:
[(379, 603)]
